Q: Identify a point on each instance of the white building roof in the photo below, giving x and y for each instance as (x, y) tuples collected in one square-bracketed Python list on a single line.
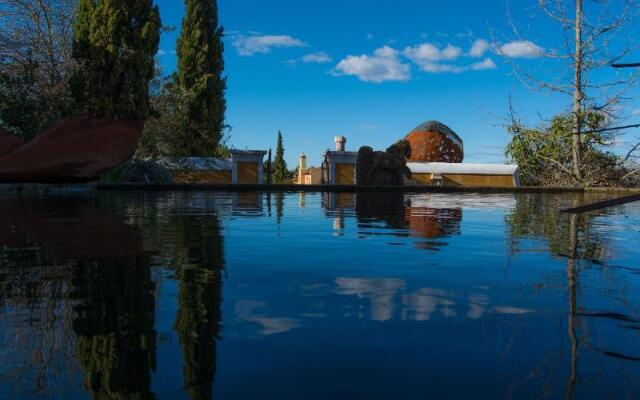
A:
[(196, 163), (462, 168)]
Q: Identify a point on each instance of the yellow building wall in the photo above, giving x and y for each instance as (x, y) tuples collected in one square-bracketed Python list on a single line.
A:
[(215, 177), (312, 177), (467, 180), (247, 172), (345, 174)]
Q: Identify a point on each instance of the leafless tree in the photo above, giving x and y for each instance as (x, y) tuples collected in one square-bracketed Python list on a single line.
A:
[(594, 34), (37, 35)]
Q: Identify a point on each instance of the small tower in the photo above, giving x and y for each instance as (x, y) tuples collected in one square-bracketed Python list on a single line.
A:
[(302, 168)]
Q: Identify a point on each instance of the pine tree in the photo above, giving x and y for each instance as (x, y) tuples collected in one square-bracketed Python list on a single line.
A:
[(200, 68), (114, 44), (280, 172)]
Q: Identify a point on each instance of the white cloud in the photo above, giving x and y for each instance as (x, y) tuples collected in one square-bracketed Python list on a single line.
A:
[(521, 49), (162, 53), (431, 58), (465, 35), (487, 63), (428, 52), (261, 44), (636, 112), (317, 58), (368, 126), (479, 48), (383, 66)]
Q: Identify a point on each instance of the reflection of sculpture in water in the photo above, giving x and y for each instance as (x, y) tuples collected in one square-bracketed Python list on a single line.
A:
[(200, 294), (431, 223), (95, 256), (422, 221), (116, 343)]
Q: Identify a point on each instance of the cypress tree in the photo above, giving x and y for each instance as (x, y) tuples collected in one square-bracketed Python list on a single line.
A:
[(280, 172), (114, 45), (200, 67)]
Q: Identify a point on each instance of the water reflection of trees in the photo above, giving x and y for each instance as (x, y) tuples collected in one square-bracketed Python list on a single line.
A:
[(116, 342), (574, 238), (536, 216), (183, 232), (103, 292), (86, 263), (199, 298)]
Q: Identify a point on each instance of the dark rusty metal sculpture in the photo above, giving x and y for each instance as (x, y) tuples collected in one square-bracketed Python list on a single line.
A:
[(383, 168), (73, 150)]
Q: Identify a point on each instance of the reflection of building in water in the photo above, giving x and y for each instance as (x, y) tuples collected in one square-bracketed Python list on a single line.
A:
[(337, 206), (247, 203)]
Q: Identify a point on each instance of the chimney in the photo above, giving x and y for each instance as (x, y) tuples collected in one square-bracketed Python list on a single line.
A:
[(341, 143)]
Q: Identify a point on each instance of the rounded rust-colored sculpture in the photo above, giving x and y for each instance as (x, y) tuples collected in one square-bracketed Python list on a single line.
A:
[(9, 142), (73, 150), (433, 141)]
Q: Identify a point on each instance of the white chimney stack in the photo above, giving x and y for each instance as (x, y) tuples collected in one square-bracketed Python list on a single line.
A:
[(341, 143)]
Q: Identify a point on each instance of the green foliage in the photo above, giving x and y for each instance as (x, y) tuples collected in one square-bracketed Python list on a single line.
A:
[(544, 154), (280, 172), (114, 44), (164, 134), (200, 68), (116, 174), (25, 109)]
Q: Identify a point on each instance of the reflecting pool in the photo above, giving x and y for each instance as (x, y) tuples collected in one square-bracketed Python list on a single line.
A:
[(316, 296)]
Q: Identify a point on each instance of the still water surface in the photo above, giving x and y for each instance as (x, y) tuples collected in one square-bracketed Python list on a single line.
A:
[(316, 296)]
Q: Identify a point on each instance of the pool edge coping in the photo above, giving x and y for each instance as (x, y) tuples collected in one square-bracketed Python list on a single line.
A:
[(45, 188)]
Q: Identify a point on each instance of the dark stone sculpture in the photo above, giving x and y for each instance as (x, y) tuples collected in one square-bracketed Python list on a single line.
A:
[(73, 150), (383, 168)]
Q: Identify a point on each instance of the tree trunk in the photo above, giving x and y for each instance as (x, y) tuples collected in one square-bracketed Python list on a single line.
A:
[(577, 96)]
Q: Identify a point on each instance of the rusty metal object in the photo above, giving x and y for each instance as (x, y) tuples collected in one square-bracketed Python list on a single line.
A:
[(9, 142), (75, 149), (435, 142)]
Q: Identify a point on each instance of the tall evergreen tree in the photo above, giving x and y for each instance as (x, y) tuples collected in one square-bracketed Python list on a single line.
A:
[(200, 68), (280, 172), (114, 44)]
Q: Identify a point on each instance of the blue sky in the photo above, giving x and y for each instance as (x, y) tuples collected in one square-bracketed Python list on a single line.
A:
[(373, 70)]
